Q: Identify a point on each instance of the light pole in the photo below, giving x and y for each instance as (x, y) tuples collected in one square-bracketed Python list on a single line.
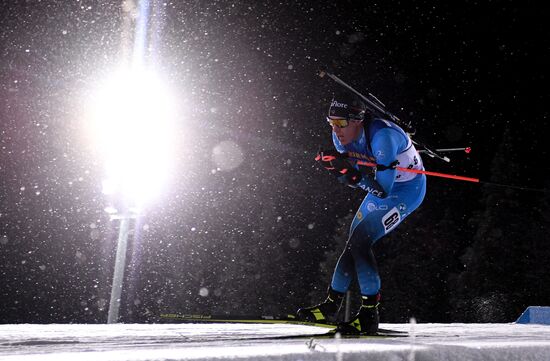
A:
[(120, 264), (134, 132), (132, 128)]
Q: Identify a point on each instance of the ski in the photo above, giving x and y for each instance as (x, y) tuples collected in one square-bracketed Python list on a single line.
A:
[(331, 330), (265, 319)]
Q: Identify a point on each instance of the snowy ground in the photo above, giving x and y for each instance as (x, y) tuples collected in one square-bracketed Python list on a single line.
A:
[(259, 342)]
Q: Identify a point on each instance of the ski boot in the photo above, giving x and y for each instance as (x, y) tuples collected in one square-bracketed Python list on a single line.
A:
[(326, 312), (366, 320)]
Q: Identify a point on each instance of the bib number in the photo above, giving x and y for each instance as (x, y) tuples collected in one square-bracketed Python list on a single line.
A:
[(391, 219)]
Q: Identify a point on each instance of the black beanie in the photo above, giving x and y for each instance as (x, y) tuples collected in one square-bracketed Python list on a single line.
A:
[(346, 106)]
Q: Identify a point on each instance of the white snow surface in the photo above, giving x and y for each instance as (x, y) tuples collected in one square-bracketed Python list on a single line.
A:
[(60, 342)]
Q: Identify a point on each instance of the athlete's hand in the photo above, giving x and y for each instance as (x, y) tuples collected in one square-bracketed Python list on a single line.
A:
[(332, 161), (337, 164)]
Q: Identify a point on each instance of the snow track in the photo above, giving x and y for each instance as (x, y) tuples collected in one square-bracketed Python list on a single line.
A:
[(25, 342)]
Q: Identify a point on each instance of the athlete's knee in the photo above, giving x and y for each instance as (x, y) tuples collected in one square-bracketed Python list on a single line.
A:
[(361, 237), (356, 242)]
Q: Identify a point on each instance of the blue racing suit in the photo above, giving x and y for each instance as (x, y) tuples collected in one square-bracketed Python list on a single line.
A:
[(383, 143)]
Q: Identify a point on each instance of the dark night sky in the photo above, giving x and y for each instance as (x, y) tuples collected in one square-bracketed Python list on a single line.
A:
[(242, 72)]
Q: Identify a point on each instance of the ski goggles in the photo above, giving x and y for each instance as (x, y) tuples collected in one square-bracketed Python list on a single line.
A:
[(339, 122)]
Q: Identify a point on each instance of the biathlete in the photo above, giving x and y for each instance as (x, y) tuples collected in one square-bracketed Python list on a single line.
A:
[(392, 196)]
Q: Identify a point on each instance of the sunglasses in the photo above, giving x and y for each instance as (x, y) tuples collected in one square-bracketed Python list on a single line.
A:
[(339, 122)]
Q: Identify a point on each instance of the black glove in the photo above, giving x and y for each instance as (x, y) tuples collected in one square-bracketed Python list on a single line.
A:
[(337, 164)]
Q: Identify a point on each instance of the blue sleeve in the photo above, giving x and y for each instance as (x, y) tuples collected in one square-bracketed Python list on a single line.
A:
[(385, 144), (337, 145)]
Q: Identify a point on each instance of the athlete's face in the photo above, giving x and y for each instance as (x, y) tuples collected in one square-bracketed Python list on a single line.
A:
[(349, 133)]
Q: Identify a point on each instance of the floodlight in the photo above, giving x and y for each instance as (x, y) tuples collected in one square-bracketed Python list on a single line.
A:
[(133, 129)]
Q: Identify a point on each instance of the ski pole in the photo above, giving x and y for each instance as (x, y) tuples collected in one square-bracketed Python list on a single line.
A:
[(466, 150), (375, 106), (418, 171), (452, 176)]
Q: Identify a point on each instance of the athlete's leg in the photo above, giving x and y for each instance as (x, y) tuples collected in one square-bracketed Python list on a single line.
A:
[(359, 246), (375, 218), (344, 272)]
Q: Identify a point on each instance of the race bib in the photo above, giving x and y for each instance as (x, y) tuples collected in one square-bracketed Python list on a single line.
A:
[(391, 219)]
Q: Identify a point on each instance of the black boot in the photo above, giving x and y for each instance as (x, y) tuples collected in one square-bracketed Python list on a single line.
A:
[(326, 312), (367, 319)]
